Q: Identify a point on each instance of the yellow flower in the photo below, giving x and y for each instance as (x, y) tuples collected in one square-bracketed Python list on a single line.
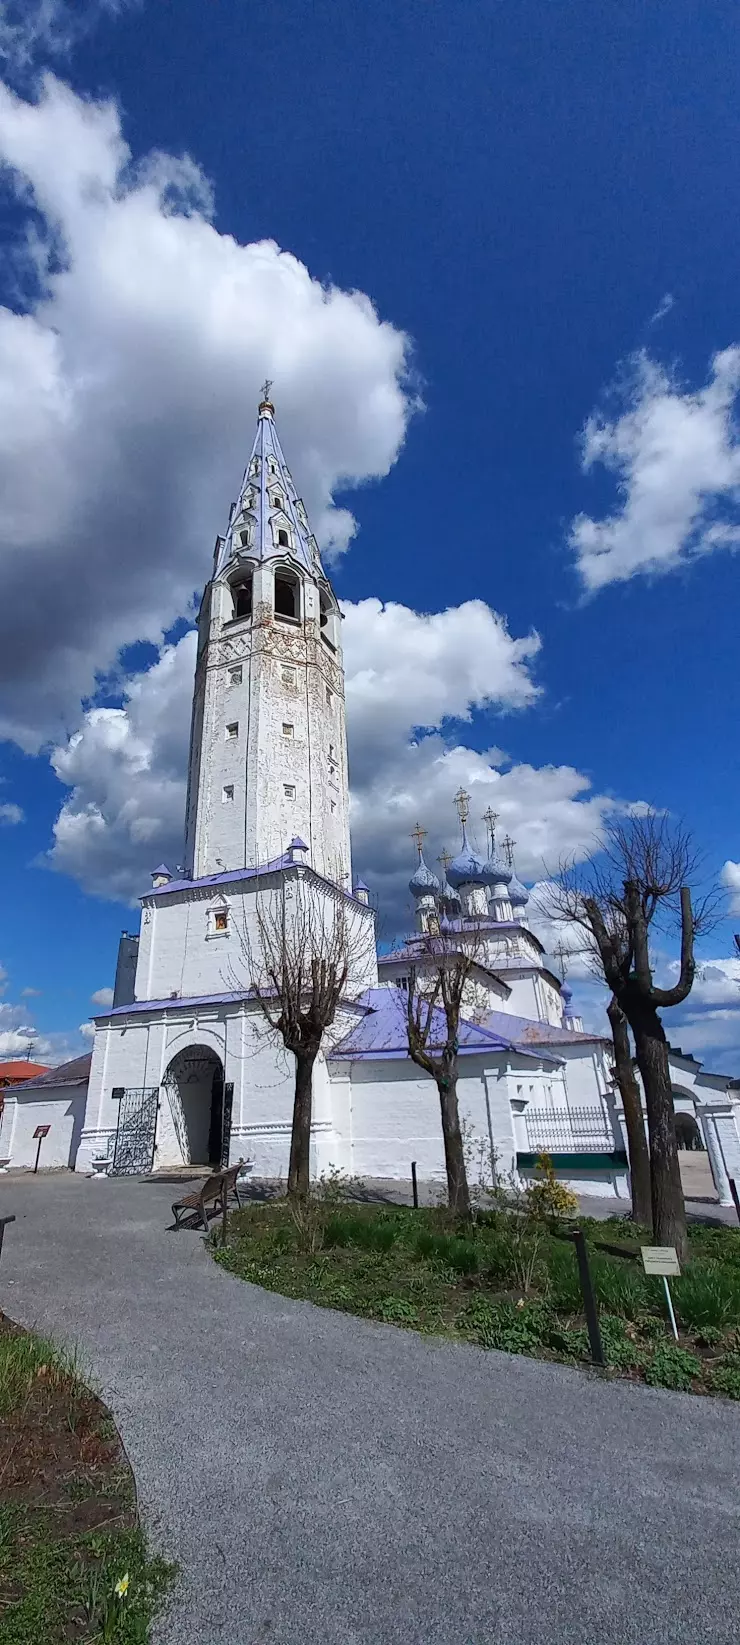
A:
[(121, 1587)]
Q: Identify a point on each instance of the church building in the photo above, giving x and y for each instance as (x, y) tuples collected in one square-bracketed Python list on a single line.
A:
[(185, 1068)]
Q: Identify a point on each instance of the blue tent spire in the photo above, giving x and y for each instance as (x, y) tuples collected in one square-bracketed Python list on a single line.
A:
[(269, 519)]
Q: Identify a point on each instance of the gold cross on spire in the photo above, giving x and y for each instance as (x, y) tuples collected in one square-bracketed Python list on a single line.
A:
[(445, 858), (562, 953), (462, 801), (265, 389), (418, 833), (508, 845)]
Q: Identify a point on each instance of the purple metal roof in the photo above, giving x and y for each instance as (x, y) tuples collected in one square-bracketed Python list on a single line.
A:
[(526, 1032), (382, 1032), (76, 1072), (232, 875)]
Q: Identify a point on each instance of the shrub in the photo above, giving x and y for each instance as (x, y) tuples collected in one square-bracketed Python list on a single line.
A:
[(672, 1367), (547, 1198), (725, 1377), (397, 1311), (564, 1286), (708, 1295), (515, 1328)]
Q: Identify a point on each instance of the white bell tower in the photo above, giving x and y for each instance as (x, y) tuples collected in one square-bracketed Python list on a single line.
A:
[(268, 749)]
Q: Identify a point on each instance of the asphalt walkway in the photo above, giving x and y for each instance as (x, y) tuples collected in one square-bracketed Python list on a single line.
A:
[(324, 1481)]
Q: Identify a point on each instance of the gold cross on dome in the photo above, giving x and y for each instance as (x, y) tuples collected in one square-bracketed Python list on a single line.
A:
[(508, 845), (562, 953), (265, 389), (462, 801), (418, 833), (445, 858)]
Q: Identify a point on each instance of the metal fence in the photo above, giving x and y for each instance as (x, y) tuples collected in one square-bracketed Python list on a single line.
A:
[(569, 1131)]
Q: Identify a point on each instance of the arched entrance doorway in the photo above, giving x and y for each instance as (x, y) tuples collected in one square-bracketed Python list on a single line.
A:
[(688, 1135), (200, 1107)]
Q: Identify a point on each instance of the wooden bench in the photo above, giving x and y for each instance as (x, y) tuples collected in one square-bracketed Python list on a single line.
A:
[(216, 1191)]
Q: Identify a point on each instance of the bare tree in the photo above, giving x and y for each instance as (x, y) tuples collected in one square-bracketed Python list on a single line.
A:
[(309, 951), (435, 997), (642, 879)]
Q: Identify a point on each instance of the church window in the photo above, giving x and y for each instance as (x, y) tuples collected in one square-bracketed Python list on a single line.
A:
[(221, 920), (328, 698), (232, 730), (289, 791), (235, 676), (288, 674), (277, 501), (287, 729), (227, 793), (244, 537), (286, 596), (283, 539)]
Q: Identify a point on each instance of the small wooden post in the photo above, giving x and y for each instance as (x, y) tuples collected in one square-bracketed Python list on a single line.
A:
[(589, 1300), (223, 1220), (38, 1155), (414, 1185)]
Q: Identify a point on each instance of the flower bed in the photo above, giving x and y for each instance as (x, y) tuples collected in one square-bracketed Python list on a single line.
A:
[(503, 1281), (73, 1560)]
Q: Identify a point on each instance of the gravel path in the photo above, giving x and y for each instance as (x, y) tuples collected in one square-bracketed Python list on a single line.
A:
[(324, 1481)]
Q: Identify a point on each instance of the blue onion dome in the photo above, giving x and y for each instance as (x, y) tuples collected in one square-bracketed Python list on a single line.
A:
[(518, 893), (566, 995), (423, 881), (497, 870), (467, 868)]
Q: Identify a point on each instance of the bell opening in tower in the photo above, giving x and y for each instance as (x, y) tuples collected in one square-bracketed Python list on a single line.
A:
[(241, 594), (287, 596)]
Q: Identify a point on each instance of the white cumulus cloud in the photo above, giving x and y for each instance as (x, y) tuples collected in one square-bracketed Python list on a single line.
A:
[(675, 453), (128, 383), (730, 879), (102, 997), (11, 814), (126, 767)]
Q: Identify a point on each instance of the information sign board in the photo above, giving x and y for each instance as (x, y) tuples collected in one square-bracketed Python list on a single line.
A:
[(660, 1259), (42, 1131)]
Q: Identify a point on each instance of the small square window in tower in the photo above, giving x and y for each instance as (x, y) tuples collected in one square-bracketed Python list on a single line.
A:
[(232, 731), (227, 793), (289, 791), (283, 538), (221, 920), (287, 729), (329, 698), (235, 676), (277, 501), (332, 756)]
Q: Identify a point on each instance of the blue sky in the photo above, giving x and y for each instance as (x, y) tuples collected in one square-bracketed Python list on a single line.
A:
[(532, 195)]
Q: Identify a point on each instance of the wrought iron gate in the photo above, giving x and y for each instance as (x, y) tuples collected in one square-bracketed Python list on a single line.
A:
[(228, 1104), (133, 1151)]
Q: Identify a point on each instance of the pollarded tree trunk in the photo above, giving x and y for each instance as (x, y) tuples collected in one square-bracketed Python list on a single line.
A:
[(458, 1194), (632, 1103), (299, 1169), (669, 1211)]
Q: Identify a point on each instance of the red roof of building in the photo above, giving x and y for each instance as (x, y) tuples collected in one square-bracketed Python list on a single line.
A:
[(13, 1073)]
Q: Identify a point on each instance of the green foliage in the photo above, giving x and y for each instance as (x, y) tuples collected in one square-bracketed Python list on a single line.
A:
[(725, 1377), (621, 1287), (708, 1295), (672, 1367), (514, 1327), (397, 1311), (24, 1357)]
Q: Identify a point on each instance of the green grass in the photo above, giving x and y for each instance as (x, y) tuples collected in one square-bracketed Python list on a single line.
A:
[(68, 1526), (503, 1283)]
